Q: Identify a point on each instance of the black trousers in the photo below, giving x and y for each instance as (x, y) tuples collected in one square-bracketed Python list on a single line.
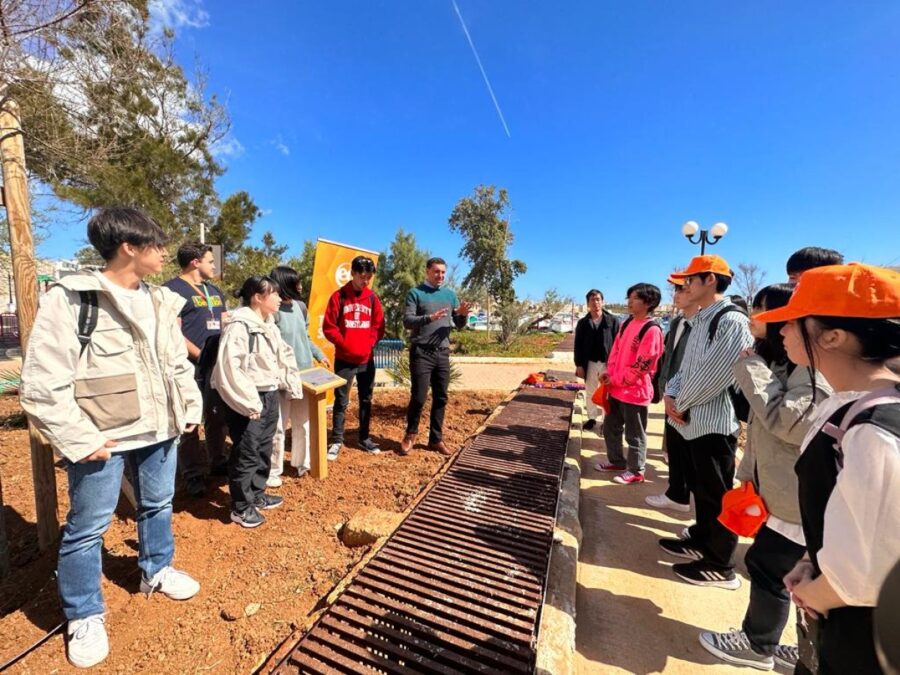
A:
[(712, 461), (251, 452), (681, 470), (194, 457), (769, 558), (428, 368), (364, 374)]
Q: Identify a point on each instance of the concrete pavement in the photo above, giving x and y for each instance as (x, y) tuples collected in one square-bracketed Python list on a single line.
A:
[(633, 614)]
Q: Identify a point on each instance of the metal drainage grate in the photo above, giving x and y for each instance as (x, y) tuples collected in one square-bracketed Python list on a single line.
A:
[(459, 586)]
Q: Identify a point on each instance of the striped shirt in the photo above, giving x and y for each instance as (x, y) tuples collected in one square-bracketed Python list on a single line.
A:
[(701, 384)]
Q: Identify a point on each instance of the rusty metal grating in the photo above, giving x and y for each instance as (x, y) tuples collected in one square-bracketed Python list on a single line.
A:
[(459, 586)]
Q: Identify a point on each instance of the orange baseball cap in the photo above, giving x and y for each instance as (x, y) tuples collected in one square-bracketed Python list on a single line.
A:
[(855, 291), (675, 282), (704, 264)]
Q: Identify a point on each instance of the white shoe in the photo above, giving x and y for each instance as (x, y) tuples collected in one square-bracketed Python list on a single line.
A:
[(663, 502), (172, 583), (333, 451), (88, 642), (274, 482), (302, 472)]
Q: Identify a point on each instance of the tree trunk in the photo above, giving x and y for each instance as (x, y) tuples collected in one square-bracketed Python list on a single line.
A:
[(21, 242)]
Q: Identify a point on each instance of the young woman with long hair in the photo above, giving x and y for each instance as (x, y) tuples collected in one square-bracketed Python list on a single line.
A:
[(844, 322)]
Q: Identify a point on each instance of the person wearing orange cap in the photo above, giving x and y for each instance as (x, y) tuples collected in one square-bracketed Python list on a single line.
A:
[(700, 409), (677, 496), (844, 321)]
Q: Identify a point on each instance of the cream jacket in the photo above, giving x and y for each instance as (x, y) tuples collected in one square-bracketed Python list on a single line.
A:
[(781, 411), (113, 389), (240, 375)]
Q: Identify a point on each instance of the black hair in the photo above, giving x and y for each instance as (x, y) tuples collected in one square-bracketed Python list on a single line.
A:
[(435, 261), (771, 347), (723, 281), (811, 257), (258, 283), (362, 264), (740, 301), (191, 251), (879, 339), (288, 280), (109, 228), (648, 293), (591, 293)]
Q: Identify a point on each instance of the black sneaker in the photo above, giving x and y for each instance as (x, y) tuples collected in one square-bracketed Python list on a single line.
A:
[(266, 501), (787, 656), (701, 573), (681, 548), (249, 517), (590, 424), (370, 446), (196, 486)]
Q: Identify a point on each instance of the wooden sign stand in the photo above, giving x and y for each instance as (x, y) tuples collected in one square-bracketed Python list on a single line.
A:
[(317, 382)]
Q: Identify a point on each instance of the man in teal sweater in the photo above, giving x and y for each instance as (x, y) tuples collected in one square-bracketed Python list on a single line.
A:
[(430, 314)]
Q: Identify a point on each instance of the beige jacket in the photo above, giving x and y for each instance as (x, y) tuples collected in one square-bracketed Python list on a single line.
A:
[(780, 415), (113, 389), (240, 375)]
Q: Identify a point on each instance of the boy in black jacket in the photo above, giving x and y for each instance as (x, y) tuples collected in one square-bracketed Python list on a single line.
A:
[(594, 335)]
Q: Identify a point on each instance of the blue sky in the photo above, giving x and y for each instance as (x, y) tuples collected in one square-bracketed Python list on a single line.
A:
[(354, 118)]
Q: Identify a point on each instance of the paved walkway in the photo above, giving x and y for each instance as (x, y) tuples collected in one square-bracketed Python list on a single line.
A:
[(634, 615)]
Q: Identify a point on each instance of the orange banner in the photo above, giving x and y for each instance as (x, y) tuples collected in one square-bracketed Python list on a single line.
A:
[(331, 270)]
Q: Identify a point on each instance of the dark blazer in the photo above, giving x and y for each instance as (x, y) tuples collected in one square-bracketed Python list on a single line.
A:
[(594, 344)]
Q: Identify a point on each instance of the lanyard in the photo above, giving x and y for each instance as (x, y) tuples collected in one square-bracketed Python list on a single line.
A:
[(205, 290)]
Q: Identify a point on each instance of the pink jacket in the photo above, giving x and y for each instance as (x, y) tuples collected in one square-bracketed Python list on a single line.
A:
[(632, 364)]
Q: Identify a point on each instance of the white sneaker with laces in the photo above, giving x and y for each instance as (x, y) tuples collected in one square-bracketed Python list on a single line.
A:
[(88, 643), (172, 583), (273, 482), (663, 502)]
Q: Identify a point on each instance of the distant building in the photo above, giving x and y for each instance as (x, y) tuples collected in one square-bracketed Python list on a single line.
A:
[(48, 272)]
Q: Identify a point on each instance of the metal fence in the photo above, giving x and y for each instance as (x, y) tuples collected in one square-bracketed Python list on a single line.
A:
[(387, 353), (9, 330)]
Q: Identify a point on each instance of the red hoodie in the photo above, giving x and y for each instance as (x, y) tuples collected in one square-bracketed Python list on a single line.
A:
[(362, 325)]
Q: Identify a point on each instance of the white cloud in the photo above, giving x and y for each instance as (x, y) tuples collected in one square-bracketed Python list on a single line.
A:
[(178, 14), (227, 147), (265, 212), (280, 145)]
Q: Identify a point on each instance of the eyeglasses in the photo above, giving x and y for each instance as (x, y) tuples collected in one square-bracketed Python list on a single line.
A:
[(690, 280)]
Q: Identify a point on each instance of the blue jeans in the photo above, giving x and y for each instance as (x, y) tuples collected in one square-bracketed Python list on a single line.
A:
[(93, 495)]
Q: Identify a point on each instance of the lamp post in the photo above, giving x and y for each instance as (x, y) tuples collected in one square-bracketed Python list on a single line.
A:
[(710, 236)]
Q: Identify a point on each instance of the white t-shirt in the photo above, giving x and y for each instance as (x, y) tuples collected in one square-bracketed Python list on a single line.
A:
[(862, 518)]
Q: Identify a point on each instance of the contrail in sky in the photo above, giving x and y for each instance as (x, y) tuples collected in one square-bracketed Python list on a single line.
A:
[(481, 67)]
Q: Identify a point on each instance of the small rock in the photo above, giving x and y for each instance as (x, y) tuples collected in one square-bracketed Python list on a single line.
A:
[(231, 612), (252, 608), (368, 525)]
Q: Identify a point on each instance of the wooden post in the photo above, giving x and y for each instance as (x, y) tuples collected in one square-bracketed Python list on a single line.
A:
[(15, 198), (317, 382)]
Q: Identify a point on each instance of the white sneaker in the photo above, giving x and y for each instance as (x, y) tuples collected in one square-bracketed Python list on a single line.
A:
[(172, 583), (663, 502), (333, 450), (274, 482), (88, 642)]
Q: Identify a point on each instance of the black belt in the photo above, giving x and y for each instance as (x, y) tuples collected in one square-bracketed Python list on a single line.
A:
[(430, 348)]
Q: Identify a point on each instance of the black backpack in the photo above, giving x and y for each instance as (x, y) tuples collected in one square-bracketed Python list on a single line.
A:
[(657, 393), (738, 400)]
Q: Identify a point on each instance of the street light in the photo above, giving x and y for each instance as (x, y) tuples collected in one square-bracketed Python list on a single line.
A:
[(710, 236)]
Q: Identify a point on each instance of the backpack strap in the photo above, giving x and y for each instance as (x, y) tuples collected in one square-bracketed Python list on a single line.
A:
[(884, 396), (87, 317), (625, 325), (714, 324), (647, 326)]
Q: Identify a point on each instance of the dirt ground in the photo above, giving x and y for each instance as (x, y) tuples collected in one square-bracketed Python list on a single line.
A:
[(285, 566)]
